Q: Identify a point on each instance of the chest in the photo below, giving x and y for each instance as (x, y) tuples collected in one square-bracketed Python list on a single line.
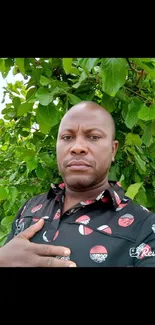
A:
[(94, 247), (96, 237)]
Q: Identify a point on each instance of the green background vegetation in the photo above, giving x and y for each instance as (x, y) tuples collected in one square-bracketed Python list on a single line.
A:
[(123, 86)]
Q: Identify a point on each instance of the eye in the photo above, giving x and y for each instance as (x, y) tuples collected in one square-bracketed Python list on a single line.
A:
[(67, 137), (94, 137)]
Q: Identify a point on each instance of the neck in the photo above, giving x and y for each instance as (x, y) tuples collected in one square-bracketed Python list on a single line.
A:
[(72, 194)]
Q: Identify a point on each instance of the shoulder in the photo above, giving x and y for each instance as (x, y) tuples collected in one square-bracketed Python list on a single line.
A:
[(35, 203), (139, 210), (144, 217), (38, 198)]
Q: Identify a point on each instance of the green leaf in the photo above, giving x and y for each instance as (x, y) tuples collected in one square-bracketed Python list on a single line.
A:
[(4, 148), (24, 134), (7, 221), (3, 193), (81, 79), (88, 63), (108, 103), (3, 237), (150, 198), (122, 96), (133, 190), (2, 65), (147, 113), (45, 157), (133, 110), (13, 193), (47, 117), (40, 172), (152, 150), (2, 234), (136, 177), (20, 63), (150, 71), (36, 73), (15, 70), (146, 59), (112, 174), (114, 73), (141, 198), (74, 70), (32, 164), (73, 99), (44, 81), (121, 179), (44, 96), (91, 63), (147, 135), (124, 110), (67, 65), (16, 102), (140, 162), (153, 127), (61, 85), (30, 93), (13, 88), (24, 108), (12, 176), (133, 140), (25, 153)]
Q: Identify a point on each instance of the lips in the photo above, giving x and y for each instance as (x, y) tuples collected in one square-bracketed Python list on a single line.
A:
[(77, 163)]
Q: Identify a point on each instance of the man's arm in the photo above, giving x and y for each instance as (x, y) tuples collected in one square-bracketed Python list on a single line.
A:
[(145, 245)]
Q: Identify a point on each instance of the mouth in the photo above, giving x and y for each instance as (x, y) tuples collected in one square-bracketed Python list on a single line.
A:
[(78, 165)]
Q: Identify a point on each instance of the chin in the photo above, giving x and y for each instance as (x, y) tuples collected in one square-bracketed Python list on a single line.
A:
[(79, 182)]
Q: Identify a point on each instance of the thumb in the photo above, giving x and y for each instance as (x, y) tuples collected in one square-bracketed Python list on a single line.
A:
[(30, 232)]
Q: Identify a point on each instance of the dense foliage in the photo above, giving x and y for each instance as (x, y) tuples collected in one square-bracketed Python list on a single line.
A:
[(123, 86)]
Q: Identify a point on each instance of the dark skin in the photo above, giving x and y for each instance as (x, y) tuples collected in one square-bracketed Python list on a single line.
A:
[(90, 140), (86, 133), (20, 252)]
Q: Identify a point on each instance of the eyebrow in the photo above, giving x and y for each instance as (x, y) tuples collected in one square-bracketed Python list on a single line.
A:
[(94, 129), (87, 131)]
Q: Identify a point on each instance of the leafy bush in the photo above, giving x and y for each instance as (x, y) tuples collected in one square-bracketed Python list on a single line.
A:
[(123, 86)]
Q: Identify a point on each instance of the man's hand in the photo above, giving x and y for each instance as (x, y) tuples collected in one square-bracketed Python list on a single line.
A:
[(20, 252)]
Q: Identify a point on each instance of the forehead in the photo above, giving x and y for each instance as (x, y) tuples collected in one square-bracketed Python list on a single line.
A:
[(85, 118)]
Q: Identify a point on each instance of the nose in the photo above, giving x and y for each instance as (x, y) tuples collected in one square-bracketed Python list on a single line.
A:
[(79, 148)]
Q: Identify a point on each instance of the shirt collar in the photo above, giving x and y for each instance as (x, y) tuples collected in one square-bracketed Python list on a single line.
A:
[(115, 193)]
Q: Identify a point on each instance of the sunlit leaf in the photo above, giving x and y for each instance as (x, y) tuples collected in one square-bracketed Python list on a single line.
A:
[(114, 74), (133, 190), (47, 117)]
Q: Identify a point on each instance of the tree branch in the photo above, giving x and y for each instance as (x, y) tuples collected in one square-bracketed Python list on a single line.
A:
[(136, 93), (133, 69)]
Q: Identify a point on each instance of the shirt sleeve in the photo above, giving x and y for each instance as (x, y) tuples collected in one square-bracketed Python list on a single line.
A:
[(145, 245), (15, 224)]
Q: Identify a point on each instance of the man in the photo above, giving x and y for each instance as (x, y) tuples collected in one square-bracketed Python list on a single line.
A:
[(87, 220)]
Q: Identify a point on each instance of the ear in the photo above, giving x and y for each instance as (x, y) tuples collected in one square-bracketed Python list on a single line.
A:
[(114, 149)]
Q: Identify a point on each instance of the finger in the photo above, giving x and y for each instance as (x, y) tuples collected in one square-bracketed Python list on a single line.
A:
[(50, 250), (30, 232), (53, 262)]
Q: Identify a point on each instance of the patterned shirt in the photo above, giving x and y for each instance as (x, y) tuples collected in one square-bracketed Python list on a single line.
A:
[(110, 231)]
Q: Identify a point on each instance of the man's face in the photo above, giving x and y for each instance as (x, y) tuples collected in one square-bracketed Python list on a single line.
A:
[(85, 147)]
